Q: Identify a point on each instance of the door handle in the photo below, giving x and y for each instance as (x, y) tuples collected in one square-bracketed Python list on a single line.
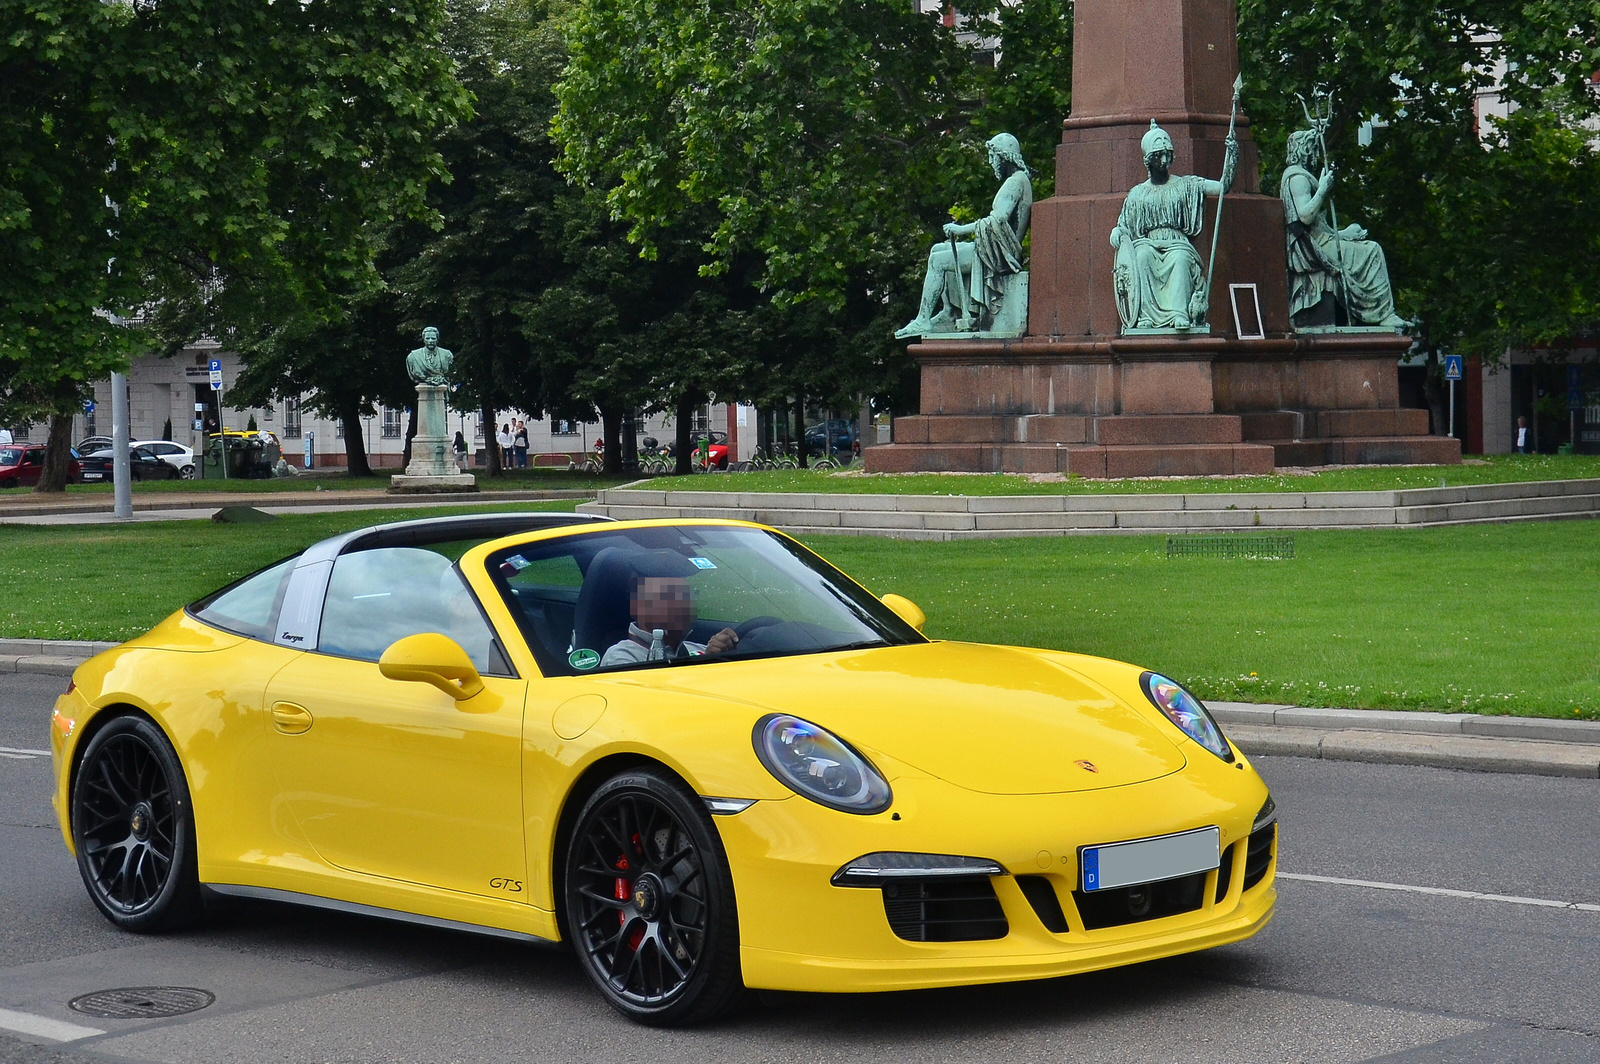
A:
[(290, 718)]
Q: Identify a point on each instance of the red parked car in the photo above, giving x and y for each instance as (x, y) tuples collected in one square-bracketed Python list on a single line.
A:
[(21, 466)]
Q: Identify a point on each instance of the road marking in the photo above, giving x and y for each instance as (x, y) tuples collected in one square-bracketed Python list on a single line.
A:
[(44, 1027), (1509, 899), (19, 754)]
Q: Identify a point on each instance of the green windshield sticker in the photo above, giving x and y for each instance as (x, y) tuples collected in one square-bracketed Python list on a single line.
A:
[(583, 659)]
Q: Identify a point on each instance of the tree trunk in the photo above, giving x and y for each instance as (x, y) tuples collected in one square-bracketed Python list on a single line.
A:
[(685, 436), (355, 445), (490, 445), (1433, 390), (57, 455), (800, 429), (411, 432), (611, 428)]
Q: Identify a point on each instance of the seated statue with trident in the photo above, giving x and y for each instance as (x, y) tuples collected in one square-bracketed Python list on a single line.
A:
[(968, 283), (1333, 273)]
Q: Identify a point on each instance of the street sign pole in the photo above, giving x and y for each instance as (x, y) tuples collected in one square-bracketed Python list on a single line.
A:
[(1452, 373), (121, 467), (222, 426)]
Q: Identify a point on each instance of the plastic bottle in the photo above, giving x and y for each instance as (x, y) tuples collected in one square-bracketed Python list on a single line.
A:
[(658, 645)]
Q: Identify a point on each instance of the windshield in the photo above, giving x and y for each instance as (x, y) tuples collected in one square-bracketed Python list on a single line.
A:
[(10, 455), (663, 597)]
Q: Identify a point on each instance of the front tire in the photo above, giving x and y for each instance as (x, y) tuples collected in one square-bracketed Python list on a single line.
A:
[(133, 828), (650, 907)]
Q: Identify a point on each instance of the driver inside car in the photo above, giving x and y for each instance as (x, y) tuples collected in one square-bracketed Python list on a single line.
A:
[(664, 603)]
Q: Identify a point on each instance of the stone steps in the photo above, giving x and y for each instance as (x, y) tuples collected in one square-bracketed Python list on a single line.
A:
[(946, 517)]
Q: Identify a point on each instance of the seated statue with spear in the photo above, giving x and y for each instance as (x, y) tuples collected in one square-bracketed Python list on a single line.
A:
[(1158, 282), (1336, 276)]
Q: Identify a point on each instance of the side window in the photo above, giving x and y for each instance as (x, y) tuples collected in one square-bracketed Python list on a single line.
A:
[(378, 596), (249, 606)]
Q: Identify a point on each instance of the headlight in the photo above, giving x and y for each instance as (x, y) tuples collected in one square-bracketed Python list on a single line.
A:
[(1185, 710), (818, 765)]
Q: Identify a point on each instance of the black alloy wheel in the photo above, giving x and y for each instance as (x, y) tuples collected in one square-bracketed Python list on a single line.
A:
[(133, 828), (649, 902)]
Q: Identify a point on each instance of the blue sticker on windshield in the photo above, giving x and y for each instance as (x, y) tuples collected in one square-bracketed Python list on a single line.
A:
[(518, 561), (703, 563)]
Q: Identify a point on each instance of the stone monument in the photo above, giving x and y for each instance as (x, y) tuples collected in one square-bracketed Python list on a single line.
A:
[(433, 465), (979, 287), (1079, 393)]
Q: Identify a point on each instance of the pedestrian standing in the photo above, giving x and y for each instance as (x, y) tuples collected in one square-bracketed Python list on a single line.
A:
[(502, 440), (1522, 435), (520, 444)]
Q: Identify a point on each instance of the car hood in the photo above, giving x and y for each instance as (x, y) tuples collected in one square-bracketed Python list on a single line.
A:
[(1000, 720)]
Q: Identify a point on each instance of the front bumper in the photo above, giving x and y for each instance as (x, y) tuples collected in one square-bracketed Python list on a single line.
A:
[(800, 932)]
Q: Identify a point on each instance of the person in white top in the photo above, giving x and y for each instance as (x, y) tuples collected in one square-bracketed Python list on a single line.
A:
[(665, 604), (503, 440)]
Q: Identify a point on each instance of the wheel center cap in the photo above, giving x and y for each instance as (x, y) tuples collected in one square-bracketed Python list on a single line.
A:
[(647, 896), (139, 821)]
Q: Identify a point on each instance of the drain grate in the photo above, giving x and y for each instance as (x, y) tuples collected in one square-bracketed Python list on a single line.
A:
[(142, 1002), (1269, 548)]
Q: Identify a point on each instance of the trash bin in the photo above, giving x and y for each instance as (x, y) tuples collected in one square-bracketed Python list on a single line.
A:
[(1565, 448)]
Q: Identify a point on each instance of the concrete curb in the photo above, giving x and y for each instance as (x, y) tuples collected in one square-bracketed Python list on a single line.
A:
[(1531, 746), (1534, 746)]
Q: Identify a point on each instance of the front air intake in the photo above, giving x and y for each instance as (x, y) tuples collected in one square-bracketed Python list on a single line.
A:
[(944, 909)]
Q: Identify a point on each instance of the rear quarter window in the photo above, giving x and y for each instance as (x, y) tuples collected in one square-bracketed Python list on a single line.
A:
[(250, 606)]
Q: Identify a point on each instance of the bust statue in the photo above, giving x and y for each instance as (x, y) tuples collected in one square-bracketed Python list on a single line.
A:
[(1159, 282), (976, 275), (430, 363), (1331, 274)]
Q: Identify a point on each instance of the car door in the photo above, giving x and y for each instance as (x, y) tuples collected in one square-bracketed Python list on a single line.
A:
[(397, 778)]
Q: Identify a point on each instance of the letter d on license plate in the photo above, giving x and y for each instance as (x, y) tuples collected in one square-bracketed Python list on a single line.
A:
[(1127, 864)]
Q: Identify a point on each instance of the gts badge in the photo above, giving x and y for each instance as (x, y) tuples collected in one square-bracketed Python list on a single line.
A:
[(512, 885)]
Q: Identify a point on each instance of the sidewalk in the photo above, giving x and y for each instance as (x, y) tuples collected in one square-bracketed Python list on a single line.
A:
[(199, 506), (1531, 746)]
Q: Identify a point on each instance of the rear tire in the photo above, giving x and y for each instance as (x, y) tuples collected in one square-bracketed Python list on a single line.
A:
[(186, 473), (133, 828), (650, 908)]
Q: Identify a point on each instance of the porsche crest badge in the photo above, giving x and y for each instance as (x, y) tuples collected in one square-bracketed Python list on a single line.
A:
[(1087, 766)]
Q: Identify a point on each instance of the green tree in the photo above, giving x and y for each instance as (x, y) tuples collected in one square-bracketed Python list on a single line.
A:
[(1491, 231), (218, 162)]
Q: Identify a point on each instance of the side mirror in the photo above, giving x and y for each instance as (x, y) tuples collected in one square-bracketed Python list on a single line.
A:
[(906, 610), (432, 658)]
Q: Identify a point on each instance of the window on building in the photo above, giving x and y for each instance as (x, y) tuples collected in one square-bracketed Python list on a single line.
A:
[(291, 419), (563, 428), (392, 423), (701, 422), (338, 428), (477, 430), (20, 433)]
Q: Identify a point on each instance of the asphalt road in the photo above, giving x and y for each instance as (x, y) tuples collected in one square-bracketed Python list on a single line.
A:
[(1345, 972)]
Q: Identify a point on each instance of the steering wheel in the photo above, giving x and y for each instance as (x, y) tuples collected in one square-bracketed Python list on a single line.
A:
[(764, 621)]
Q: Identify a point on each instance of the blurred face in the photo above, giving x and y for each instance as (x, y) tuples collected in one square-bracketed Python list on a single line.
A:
[(665, 602)]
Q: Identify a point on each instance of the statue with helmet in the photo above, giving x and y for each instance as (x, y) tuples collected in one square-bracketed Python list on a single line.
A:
[(978, 286), (1159, 283)]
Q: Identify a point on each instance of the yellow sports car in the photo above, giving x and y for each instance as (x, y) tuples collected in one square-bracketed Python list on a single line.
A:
[(693, 751)]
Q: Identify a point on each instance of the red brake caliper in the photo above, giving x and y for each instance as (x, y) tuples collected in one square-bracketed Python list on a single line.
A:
[(624, 891)]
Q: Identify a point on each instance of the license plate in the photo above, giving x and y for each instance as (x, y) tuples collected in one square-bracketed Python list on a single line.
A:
[(91, 476), (1127, 864)]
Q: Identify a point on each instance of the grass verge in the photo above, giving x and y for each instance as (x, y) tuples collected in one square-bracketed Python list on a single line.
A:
[(1493, 469), (1486, 619)]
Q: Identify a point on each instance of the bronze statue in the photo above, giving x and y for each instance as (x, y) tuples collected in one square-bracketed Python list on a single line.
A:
[(430, 363)]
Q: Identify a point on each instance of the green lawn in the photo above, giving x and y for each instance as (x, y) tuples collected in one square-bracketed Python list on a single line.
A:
[(1495, 469), (112, 582), (1493, 619), (512, 480)]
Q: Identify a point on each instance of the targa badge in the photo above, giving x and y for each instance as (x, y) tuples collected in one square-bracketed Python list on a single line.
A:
[(583, 658)]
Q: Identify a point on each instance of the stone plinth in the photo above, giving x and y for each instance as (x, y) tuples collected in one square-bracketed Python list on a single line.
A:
[(433, 466)]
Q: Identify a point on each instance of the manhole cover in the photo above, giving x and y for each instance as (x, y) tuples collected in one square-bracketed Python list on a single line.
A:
[(142, 1002)]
